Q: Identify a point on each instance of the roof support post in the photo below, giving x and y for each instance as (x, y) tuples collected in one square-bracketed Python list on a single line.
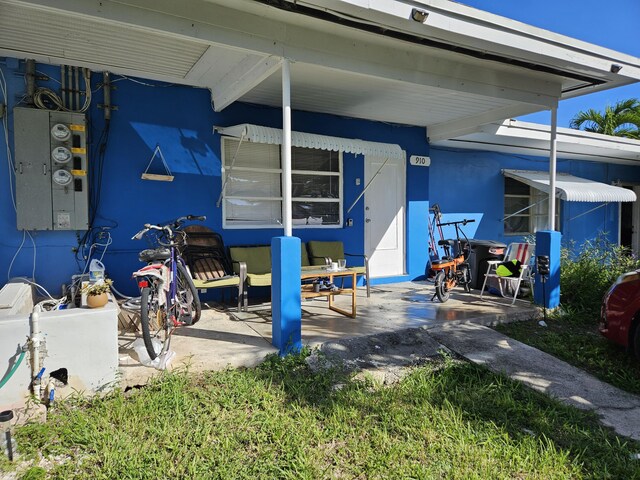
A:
[(553, 150), (286, 148)]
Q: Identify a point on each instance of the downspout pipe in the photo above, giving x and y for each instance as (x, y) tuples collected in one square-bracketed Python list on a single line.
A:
[(30, 76)]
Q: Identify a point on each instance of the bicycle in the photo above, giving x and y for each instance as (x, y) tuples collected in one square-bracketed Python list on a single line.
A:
[(452, 269), (168, 297)]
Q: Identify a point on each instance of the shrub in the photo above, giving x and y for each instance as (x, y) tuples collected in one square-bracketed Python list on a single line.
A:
[(587, 274)]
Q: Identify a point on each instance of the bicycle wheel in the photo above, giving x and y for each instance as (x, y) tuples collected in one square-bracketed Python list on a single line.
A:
[(466, 277), (442, 290), (187, 297), (153, 320)]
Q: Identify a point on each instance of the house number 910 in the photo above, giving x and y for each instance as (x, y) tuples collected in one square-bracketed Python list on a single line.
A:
[(419, 161)]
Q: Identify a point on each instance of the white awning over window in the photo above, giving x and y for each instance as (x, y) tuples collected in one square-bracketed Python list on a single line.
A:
[(573, 189), (260, 134)]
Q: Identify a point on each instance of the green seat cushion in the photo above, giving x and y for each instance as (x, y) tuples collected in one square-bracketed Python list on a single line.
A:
[(258, 259), (304, 255), (217, 283), (319, 250), (259, 280)]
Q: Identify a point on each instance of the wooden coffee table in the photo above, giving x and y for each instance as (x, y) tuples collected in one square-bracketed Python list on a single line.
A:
[(307, 290)]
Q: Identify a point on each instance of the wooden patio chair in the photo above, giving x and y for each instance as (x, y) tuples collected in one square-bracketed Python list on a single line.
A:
[(208, 262)]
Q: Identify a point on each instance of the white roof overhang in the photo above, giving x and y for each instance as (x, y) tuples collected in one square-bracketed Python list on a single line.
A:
[(524, 138), (460, 69), (260, 134), (573, 189)]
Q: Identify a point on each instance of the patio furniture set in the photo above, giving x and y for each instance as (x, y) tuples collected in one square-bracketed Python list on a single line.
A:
[(242, 267), (213, 265)]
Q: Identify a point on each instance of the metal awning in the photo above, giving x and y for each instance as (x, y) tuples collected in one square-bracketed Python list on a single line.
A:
[(260, 134), (573, 189)]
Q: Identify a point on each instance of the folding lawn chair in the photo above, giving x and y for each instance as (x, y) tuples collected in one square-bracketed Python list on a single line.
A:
[(515, 251)]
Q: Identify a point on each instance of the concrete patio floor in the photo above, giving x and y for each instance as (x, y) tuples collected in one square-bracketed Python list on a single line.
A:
[(225, 338)]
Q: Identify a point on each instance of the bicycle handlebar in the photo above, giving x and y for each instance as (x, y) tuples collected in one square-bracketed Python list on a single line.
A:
[(463, 222), (175, 224)]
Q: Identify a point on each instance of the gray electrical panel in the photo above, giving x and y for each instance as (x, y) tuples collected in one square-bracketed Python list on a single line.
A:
[(52, 188)]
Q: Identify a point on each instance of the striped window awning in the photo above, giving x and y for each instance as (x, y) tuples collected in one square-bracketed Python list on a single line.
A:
[(260, 134), (573, 189)]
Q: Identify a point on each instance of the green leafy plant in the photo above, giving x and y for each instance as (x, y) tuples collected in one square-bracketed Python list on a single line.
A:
[(586, 273), (98, 288), (621, 120)]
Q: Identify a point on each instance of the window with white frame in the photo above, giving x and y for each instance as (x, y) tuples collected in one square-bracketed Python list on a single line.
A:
[(526, 209), (253, 192)]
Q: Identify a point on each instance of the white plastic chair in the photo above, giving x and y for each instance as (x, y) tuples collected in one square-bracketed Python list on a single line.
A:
[(515, 251)]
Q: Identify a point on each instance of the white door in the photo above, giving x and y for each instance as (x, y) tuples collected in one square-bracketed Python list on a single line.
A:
[(384, 212)]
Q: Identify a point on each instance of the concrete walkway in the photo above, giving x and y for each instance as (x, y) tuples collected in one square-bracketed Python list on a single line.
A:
[(540, 371)]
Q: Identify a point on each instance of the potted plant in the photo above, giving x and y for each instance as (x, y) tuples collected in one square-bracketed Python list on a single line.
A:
[(97, 293)]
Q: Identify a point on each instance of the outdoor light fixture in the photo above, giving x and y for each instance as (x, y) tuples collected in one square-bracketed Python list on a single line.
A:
[(419, 15), (615, 68)]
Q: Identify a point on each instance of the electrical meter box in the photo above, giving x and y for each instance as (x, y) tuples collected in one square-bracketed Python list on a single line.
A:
[(52, 188)]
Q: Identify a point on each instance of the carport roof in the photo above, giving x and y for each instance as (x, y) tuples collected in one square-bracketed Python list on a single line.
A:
[(459, 69)]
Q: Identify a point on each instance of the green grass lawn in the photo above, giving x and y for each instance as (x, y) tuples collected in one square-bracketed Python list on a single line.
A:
[(447, 419), (575, 339)]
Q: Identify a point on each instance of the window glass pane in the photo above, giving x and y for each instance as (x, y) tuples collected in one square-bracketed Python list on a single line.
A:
[(516, 225), (256, 155), (316, 213), (515, 204), (253, 184), (250, 213), (514, 187), (313, 159), (315, 186)]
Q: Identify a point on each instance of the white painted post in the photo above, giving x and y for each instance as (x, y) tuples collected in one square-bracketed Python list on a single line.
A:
[(286, 148), (553, 148)]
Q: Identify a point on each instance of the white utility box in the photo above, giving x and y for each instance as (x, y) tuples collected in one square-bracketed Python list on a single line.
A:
[(82, 340)]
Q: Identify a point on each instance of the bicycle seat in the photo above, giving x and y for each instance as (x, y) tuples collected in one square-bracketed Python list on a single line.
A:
[(441, 261), (154, 254), (447, 242)]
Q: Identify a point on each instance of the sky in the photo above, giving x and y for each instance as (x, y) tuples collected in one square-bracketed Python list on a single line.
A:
[(613, 24)]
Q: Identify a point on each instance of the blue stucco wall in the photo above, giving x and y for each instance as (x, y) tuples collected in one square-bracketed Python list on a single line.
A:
[(470, 183), (180, 120)]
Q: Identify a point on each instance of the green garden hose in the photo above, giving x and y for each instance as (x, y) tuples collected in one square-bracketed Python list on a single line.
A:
[(13, 369)]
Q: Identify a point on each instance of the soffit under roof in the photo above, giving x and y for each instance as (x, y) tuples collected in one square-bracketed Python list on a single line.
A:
[(525, 138), (223, 45)]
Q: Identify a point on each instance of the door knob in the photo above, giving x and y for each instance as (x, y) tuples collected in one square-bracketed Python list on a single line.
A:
[(367, 220)]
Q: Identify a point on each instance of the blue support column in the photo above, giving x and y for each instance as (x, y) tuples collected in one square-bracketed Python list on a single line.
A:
[(286, 311), (548, 243)]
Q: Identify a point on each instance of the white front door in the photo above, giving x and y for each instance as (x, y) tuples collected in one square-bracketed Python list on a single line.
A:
[(384, 212)]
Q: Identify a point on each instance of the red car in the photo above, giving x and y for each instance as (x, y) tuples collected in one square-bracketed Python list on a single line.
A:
[(620, 314)]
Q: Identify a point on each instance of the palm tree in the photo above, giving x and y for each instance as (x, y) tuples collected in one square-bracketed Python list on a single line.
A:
[(621, 120)]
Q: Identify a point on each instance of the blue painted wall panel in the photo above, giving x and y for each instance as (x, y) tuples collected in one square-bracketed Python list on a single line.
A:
[(180, 120), (470, 184)]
